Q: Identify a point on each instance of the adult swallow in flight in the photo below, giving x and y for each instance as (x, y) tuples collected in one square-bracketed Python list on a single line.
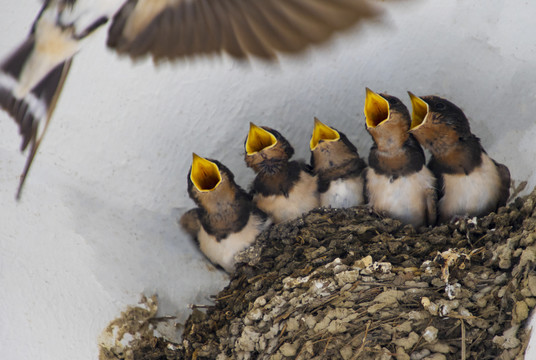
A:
[(398, 183), (337, 165), (470, 183), (225, 221), (283, 189), (32, 77)]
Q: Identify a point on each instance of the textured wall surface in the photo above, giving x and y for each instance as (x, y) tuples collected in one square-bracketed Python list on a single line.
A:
[(96, 224)]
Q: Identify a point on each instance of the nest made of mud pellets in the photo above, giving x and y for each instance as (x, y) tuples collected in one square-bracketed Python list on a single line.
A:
[(346, 284)]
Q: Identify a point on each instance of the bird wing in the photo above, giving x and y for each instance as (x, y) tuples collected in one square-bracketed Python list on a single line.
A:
[(504, 190), (32, 77), (33, 111), (170, 29), (190, 223)]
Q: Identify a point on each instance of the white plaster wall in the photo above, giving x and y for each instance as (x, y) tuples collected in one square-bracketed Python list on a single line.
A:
[(96, 223)]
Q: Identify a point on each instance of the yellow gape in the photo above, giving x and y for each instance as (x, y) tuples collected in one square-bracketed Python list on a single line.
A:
[(258, 139), (205, 175), (322, 132), (376, 109), (420, 109)]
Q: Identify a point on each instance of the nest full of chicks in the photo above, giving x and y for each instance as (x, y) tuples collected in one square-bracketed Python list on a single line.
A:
[(348, 281), (349, 284)]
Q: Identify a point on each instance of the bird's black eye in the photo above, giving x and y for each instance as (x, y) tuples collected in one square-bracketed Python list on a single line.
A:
[(440, 106)]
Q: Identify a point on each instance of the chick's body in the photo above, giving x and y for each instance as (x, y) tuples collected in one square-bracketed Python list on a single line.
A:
[(226, 220), (339, 168), (470, 183), (398, 183), (283, 189)]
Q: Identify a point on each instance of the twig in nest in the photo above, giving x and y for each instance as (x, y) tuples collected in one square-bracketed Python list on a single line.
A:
[(262, 277), (448, 333), (194, 306), (525, 344), (280, 336), (462, 324), (454, 315), (476, 340), (516, 189), (363, 342), (327, 343), (299, 352), (161, 318), (320, 340), (420, 337), (298, 333), (224, 297), (283, 316)]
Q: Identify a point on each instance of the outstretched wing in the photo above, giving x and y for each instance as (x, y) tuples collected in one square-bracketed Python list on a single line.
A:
[(32, 77), (170, 29), (31, 112)]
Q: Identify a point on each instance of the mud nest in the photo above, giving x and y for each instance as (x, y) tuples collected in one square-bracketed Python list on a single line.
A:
[(347, 284)]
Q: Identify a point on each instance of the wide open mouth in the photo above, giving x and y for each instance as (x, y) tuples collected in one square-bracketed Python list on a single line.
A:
[(376, 109), (322, 132), (205, 175), (259, 139), (420, 109)]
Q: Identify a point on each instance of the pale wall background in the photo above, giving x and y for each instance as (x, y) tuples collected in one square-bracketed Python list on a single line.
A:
[(96, 224)]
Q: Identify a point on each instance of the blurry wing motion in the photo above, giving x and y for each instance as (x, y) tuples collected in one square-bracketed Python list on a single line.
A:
[(34, 109), (170, 29), (31, 78), (30, 86)]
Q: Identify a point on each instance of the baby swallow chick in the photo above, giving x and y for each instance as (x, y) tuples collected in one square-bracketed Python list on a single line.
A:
[(470, 183), (338, 167), (398, 183), (283, 189), (225, 221)]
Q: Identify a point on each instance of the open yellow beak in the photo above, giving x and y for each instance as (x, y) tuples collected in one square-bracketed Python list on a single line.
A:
[(258, 139), (376, 109), (322, 132), (420, 109), (205, 175)]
